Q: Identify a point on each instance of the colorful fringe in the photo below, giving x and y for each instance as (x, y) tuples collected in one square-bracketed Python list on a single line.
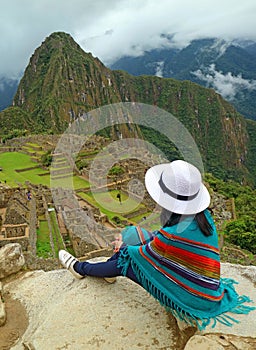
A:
[(185, 315)]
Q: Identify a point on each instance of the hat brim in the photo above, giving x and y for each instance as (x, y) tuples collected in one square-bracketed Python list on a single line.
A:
[(187, 207)]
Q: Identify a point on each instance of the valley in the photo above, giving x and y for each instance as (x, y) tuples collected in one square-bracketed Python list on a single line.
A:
[(69, 205), (43, 226)]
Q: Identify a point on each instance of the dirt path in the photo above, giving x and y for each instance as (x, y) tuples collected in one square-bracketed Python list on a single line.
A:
[(16, 323)]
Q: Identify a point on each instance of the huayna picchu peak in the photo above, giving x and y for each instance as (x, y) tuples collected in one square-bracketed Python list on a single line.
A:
[(62, 82)]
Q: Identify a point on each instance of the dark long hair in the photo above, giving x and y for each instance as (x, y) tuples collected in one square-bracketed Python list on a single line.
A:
[(168, 219)]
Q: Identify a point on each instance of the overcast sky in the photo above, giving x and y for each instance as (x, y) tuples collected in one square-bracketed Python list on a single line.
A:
[(112, 28)]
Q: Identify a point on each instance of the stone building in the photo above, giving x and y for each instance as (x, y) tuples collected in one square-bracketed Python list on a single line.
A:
[(15, 217)]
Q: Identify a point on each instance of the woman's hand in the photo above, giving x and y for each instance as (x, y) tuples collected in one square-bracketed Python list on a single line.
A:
[(117, 243)]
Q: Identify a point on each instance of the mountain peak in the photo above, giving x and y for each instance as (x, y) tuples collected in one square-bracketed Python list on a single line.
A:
[(56, 81), (59, 40), (62, 82)]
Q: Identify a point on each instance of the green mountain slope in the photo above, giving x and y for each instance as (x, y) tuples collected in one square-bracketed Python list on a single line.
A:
[(62, 82), (204, 61)]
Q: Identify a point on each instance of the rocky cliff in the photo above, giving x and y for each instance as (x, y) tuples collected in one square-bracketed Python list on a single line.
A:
[(65, 313)]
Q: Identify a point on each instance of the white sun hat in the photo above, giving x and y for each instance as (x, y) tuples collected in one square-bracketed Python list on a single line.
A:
[(177, 187)]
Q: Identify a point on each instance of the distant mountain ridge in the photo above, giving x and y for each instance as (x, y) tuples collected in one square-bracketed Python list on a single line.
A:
[(8, 89), (61, 82), (228, 67)]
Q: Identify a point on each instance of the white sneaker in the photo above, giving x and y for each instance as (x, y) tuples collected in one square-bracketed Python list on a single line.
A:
[(68, 261)]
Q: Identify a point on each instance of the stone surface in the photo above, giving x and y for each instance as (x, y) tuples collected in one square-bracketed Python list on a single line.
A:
[(241, 336), (2, 308), (220, 342), (198, 342), (65, 313), (11, 259), (246, 278)]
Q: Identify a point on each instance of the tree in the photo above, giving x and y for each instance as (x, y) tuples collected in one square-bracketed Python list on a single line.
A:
[(46, 159)]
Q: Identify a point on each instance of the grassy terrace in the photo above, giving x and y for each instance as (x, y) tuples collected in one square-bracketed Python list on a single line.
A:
[(43, 245), (44, 238), (108, 204), (15, 167)]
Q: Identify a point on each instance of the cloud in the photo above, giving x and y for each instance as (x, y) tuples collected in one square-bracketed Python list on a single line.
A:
[(114, 28), (228, 85), (220, 46), (159, 69), (134, 31), (7, 82), (25, 24)]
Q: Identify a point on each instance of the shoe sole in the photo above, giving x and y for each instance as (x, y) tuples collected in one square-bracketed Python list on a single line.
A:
[(67, 260)]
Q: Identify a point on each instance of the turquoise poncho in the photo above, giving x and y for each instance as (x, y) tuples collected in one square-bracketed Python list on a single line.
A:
[(180, 267)]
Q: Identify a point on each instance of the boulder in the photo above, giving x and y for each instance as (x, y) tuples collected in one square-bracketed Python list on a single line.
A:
[(66, 313), (242, 335), (11, 259), (2, 308)]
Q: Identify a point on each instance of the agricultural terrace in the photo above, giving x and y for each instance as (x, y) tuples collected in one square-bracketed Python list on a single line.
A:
[(17, 168)]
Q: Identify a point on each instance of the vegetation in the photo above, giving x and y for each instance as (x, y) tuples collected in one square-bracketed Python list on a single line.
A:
[(199, 55), (241, 231), (13, 164), (13, 134), (68, 82), (81, 164), (109, 205), (56, 236), (46, 159), (116, 171), (46, 235), (18, 168), (43, 245)]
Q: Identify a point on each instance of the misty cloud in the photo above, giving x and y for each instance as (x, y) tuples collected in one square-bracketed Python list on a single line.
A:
[(228, 85), (220, 46), (7, 81), (159, 69), (115, 28)]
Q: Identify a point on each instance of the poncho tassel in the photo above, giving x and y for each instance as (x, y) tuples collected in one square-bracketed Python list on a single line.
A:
[(193, 320)]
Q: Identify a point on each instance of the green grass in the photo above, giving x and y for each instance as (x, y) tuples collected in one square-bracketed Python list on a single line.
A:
[(110, 205), (59, 159), (34, 145), (56, 236), (43, 246), (15, 160), (11, 161), (28, 149), (71, 182), (34, 177)]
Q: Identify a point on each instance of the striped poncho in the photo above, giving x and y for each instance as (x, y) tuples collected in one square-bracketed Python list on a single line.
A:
[(180, 267)]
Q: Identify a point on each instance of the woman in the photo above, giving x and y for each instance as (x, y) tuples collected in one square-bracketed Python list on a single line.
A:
[(179, 265)]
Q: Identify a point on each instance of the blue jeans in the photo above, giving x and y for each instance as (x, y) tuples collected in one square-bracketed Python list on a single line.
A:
[(104, 269)]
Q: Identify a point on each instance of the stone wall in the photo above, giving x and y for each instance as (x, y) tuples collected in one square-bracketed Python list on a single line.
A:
[(86, 234), (23, 241), (5, 195), (20, 221), (13, 231), (33, 223), (46, 141)]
